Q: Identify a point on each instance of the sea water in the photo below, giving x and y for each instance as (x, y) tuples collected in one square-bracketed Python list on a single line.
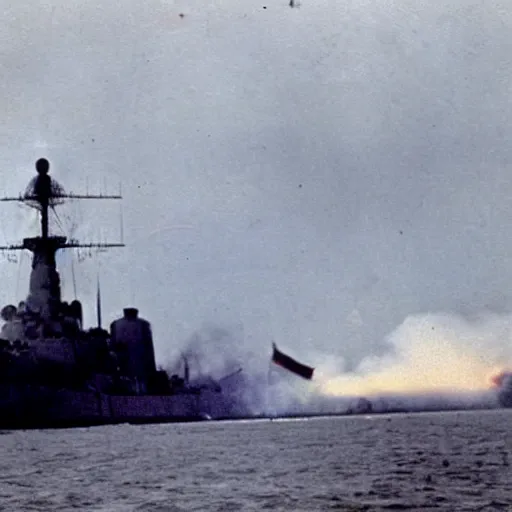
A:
[(446, 461)]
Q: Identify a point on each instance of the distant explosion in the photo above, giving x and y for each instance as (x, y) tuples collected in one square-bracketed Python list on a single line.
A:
[(434, 362), (431, 354), (499, 379)]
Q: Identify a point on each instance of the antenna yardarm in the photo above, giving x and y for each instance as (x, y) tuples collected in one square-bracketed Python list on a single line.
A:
[(43, 193)]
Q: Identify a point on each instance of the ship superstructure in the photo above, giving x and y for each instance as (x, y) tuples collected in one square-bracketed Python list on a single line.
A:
[(53, 372)]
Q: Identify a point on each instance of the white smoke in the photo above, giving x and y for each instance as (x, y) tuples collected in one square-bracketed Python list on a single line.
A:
[(433, 362), (438, 353)]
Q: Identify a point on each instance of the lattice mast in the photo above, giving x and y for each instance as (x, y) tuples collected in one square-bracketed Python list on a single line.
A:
[(44, 193)]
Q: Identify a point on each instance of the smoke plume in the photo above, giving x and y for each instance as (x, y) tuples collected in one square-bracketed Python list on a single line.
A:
[(438, 353), (433, 362)]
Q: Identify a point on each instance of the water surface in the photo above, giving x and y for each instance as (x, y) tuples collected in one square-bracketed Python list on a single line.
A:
[(446, 461)]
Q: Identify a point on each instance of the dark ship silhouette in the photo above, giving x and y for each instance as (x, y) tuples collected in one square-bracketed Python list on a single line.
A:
[(503, 386), (54, 373)]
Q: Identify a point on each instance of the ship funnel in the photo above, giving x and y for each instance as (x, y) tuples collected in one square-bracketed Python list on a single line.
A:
[(132, 341), (131, 313)]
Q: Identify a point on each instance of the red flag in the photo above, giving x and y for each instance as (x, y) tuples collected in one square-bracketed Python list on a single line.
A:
[(306, 372)]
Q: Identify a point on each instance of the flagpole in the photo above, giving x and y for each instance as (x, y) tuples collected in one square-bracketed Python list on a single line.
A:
[(267, 391), (268, 386)]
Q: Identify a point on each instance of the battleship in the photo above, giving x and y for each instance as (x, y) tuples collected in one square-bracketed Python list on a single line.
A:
[(56, 373)]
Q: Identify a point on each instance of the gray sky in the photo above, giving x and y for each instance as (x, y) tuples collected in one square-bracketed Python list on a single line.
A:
[(311, 175)]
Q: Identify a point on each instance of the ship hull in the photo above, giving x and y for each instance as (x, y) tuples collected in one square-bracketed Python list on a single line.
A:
[(30, 407)]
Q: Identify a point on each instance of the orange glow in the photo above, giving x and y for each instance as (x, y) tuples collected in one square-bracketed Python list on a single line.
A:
[(498, 378), (428, 357)]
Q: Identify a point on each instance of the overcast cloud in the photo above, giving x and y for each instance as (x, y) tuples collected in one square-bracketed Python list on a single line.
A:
[(312, 175)]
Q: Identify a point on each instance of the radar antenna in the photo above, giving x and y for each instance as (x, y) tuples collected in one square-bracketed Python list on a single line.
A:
[(43, 193)]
